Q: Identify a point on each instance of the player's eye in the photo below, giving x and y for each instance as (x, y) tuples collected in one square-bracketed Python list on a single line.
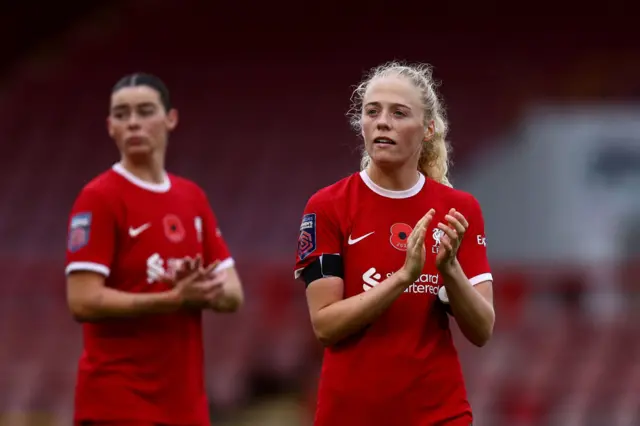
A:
[(370, 111), (399, 113), (145, 112)]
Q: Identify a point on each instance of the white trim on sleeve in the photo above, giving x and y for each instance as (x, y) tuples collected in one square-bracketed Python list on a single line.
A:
[(481, 278), (225, 264), (442, 293), (87, 266)]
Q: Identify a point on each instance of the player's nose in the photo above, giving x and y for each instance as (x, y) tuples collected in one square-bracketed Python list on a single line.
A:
[(133, 121), (382, 121)]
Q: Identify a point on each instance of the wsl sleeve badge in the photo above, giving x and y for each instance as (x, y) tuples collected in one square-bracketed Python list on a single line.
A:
[(79, 230), (307, 236)]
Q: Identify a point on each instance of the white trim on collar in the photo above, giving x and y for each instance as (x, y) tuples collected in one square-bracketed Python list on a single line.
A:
[(393, 194), (153, 187)]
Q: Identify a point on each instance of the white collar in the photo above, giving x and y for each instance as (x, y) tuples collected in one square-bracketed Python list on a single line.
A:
[(406, 193), (153, 187)]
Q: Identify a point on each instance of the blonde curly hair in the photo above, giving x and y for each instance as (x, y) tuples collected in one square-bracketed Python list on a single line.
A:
[(434, 158)]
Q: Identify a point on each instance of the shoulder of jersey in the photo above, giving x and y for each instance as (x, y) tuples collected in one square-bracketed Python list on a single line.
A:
[(106, 181), (450, 193), (335, 191), (182, 182)]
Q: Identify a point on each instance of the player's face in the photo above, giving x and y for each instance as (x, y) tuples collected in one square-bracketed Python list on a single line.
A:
[(393, 121), (138, 122)]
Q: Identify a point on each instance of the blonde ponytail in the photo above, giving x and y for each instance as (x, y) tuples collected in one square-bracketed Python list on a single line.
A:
[(434, 158)]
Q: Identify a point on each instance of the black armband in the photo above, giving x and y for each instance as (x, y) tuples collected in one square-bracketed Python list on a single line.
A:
[(443, 300), (445, 306), (326, 265)]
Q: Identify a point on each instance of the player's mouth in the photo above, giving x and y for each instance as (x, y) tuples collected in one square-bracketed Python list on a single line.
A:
[(384, 141), (135, 140)]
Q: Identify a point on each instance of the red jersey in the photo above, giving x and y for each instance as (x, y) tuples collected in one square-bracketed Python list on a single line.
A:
[(402, 369), (149, 368)]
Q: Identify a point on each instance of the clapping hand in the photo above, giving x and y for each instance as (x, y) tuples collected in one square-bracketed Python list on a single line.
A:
[(416, 252), (450, 241), (196, 285)]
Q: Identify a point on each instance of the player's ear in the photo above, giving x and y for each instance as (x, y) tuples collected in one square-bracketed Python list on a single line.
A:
[(109, 127), (172, 119), (430, 130)]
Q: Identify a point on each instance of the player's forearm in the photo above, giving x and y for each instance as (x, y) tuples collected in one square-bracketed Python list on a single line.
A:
[(232, 296), (473, 313), (110, 303), (227, 303), (346, 317)]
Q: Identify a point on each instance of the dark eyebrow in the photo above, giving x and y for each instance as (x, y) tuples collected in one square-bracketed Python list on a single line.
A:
[(377, 104), (123, 107)]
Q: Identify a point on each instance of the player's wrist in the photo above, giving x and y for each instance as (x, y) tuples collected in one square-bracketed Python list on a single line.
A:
[(175, 298), (450, 271), (404, 277)]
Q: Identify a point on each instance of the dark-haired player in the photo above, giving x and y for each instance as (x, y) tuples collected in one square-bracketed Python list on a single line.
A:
[(144, 257)]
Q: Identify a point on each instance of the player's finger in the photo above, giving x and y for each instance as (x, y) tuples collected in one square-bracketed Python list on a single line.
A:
[(451, 233), (206, 285), (207, 271), (217, 279), (446, 244), (197, 262), (422, 224), (166, 279), (414, 237), (212, 267), (220, 276), (211, 285), (462, 219), (417, 238), (429, 216), (187, 262), (213, 293), (192, 277), (422, 232), (423, 237), (423, 219), (455, 224)]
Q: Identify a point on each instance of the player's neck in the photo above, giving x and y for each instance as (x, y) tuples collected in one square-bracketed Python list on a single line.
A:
[(149, 171), (393, 180)]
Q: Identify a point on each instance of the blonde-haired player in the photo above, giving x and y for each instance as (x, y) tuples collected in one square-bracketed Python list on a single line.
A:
[(378, 286)]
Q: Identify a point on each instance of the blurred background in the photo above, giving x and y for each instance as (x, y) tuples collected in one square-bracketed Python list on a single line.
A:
[(545, 124)]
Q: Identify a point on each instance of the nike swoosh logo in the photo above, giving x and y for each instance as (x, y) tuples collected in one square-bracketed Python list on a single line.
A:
[(134, 232), (352, 242)]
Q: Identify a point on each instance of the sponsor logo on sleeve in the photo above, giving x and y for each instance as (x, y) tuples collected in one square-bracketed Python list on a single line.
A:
[(79, 232), (307, 236)]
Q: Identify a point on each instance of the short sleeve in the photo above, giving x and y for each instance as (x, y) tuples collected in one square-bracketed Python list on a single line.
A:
[(472, 254), (319, 234), (91, 234), (214, 246)]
